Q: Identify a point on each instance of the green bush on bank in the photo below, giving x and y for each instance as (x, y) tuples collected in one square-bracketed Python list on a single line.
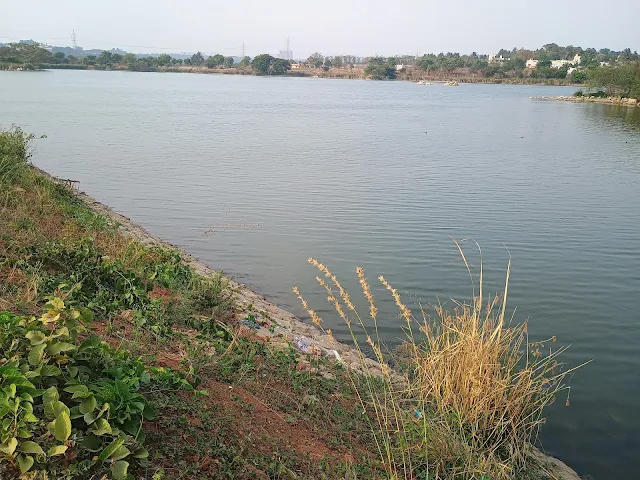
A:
[(69, 403)]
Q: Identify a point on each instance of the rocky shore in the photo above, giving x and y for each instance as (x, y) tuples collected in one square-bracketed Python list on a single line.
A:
[(620, 101)]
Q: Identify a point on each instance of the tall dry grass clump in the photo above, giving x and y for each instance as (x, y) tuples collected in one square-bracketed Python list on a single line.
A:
[(467, 395)]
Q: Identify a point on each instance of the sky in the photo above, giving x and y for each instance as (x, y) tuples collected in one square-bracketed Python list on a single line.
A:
[(332, 27)]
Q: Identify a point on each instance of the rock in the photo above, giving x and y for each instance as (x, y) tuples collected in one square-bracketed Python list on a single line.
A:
[(632, 101)]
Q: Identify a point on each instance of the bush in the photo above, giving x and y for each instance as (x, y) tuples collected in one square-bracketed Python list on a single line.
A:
[(578, 93), (14, 154), (70, 404), (52, 400)]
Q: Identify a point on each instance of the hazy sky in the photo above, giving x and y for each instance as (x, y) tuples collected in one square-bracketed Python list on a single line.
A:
[(359, 27)]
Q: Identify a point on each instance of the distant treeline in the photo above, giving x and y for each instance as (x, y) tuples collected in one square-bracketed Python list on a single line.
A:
[(615, 72)]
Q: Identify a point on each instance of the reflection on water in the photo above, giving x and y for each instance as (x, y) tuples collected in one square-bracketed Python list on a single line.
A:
[(284, 169)]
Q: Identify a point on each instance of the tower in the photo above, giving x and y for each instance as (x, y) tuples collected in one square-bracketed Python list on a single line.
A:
[(74, 39)]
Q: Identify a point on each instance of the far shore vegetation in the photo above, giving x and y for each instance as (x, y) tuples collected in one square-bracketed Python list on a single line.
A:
[(603, 69), (118, 360)]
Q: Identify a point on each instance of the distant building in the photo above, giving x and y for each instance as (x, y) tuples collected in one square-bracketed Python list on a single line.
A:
[(493, 58), (571, 70), (532, 64), (399, 68), (604, 64), (577, 60), (296, 66)]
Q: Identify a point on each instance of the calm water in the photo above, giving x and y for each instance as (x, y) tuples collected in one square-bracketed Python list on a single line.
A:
[(382, 175)]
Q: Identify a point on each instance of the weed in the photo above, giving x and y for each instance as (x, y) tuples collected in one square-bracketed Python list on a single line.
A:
[(472, 395)]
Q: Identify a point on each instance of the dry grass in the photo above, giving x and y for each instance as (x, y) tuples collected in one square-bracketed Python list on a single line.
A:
[(470, 398)]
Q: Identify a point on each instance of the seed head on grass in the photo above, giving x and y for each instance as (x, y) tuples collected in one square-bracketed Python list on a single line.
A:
[(478, 386)]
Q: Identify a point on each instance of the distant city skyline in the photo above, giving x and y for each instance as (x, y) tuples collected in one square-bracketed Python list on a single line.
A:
[(356, 27)]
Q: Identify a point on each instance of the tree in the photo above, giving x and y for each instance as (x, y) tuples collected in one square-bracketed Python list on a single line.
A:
[(279, 66), (261, 64), (116, 58), (104, 58), (197, 59), (26, 53), (186, 61), (380, 69), (265, 64), (72, 59), (245, 62), (89, 60), (578, 76), (129, 59), (623, 80), (337, 61), (60, 57), (215, 61), (315, 60), (228, 62), (544, 62), (163, 60)]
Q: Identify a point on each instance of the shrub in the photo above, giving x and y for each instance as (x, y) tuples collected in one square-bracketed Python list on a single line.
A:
[(14, 154), (69, 403), (578, 93)]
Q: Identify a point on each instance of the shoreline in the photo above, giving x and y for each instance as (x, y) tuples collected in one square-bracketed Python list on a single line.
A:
[(342, 74), (288, 327), (618, 101)]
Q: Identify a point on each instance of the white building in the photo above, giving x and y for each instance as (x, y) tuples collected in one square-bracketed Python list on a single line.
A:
[(532, 64), (493, 58), (400, 68), (559, 63)]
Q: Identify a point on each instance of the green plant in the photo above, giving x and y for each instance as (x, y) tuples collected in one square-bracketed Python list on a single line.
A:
[(14, 154), (68, 402)]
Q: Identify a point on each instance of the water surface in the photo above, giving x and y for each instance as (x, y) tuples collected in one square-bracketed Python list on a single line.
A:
[(382, 175)]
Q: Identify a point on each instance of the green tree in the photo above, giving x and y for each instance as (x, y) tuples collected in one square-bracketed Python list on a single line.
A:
[(622, 80), (544, 62), (104, 58), (261, 64), (245, 62), (163, 60), (215, 61), (89, 60), (315, 60), (337, 61), (279, 66), (129, 59), (228, 62), (116, 58), (380, 69), (197, 59), (26, 53), (60, 57), (578, 76), (265, 64)]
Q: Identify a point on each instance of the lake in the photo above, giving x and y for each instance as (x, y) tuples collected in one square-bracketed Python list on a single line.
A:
[(254, 175)]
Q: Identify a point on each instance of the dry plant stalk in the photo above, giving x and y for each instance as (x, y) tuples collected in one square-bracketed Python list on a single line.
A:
[(470, 400)]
